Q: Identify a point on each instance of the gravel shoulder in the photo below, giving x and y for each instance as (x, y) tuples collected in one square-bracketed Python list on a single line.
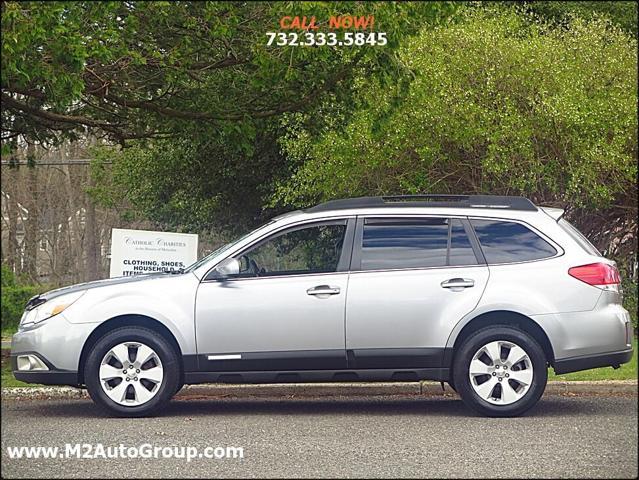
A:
[(430, 389)]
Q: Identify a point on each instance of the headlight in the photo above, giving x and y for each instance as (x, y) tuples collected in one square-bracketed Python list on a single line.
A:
[(49, 309)]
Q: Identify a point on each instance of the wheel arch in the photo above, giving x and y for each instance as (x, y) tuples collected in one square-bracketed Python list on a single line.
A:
[(129, 320), (505, 318)]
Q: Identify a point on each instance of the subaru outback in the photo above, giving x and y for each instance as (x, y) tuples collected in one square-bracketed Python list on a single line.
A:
[(483, 292)]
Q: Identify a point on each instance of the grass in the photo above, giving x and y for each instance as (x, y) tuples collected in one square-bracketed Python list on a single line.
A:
[(7, 375), (7, 379), (627, 371)]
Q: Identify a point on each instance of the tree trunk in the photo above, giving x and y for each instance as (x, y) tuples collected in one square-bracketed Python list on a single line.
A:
[(31, 234), (91, 236), (70, 265), (11, 256)]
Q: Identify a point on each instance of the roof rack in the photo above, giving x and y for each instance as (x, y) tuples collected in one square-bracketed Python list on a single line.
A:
[(457, 201)]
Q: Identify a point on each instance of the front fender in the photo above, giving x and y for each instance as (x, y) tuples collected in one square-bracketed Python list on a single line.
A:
[(170, 303)]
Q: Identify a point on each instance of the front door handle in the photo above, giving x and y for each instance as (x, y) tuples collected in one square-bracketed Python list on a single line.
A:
[(323, 290), (458, 283)]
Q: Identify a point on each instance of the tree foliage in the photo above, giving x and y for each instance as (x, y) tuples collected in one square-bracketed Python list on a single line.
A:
[(190, 88), (192, 184), (498, 104), (154, 69), (621, 13), (539, 100)]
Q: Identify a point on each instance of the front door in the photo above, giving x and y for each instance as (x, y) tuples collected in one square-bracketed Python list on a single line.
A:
[(285, 309)]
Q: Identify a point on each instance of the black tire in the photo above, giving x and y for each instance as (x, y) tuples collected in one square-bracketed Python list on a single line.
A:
[(170, 365), (482, 337)]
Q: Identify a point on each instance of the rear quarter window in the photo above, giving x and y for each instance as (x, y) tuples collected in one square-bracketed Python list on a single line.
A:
[(578, 237), (508, 242)]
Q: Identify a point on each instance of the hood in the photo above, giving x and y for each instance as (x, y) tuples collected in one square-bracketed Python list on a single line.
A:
[(44, 297)]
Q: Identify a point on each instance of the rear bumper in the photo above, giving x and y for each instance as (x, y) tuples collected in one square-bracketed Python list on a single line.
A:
[(586, 362)]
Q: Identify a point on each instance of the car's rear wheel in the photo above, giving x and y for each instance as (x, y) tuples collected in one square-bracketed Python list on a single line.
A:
[(132, 372), (500, 371)]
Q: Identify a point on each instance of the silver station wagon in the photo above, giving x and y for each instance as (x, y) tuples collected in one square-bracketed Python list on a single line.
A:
[(483, 292)]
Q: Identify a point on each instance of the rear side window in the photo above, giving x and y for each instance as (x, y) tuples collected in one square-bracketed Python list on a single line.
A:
[(507, 242), (414, 243)]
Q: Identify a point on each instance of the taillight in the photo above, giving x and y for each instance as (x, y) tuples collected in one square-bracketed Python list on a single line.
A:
[(597, 274)]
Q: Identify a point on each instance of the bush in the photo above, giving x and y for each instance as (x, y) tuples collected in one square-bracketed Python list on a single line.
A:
[(7, 278), (13, 299), (498, 104), (630, 301)]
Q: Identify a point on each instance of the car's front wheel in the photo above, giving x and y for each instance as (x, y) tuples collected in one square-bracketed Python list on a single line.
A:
[(132, 372), (500, 371)]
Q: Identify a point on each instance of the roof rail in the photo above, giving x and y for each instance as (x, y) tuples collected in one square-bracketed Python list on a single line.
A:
[(453, 201)]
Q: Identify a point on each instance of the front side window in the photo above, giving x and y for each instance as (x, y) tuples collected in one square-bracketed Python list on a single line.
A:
[(414, 243), (508, 242), (314, 249)]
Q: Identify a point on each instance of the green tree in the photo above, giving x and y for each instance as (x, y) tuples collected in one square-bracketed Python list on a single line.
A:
[(154, 69), (190, 88), (498, 104), (620, 13), (192, 184)]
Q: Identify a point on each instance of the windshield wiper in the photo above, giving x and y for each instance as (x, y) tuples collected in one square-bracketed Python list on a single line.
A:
[(179, 271)]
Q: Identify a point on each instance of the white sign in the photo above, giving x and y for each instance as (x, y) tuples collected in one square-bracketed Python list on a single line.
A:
[(141, 251)]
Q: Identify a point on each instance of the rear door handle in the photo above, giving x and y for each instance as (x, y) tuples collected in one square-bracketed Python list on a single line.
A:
[(323, 290), (460, 283)]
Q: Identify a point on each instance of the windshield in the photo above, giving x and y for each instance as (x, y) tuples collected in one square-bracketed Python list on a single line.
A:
[(221, 250)]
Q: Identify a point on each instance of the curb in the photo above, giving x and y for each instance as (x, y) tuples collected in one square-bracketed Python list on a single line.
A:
[(602, 387), (426, 389)]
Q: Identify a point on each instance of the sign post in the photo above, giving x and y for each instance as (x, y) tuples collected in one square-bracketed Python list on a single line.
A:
[(141, 251)]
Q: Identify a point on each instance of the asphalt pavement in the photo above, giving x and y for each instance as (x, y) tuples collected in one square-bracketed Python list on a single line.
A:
[(387, 436)]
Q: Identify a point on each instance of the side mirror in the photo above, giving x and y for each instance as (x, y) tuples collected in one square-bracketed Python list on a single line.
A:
[(227, 267)]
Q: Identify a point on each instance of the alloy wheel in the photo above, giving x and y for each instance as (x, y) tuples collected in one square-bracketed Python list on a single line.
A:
[(131, 373), (501, 372)]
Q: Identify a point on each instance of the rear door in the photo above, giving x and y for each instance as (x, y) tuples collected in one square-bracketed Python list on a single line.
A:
[(412, 279)]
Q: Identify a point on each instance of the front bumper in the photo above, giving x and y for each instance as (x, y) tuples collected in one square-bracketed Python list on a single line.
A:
[(52, 376), (55, 342), (586, 362)]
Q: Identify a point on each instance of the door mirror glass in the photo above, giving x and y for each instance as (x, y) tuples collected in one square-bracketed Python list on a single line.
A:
[(243, 264), (227, 267)]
